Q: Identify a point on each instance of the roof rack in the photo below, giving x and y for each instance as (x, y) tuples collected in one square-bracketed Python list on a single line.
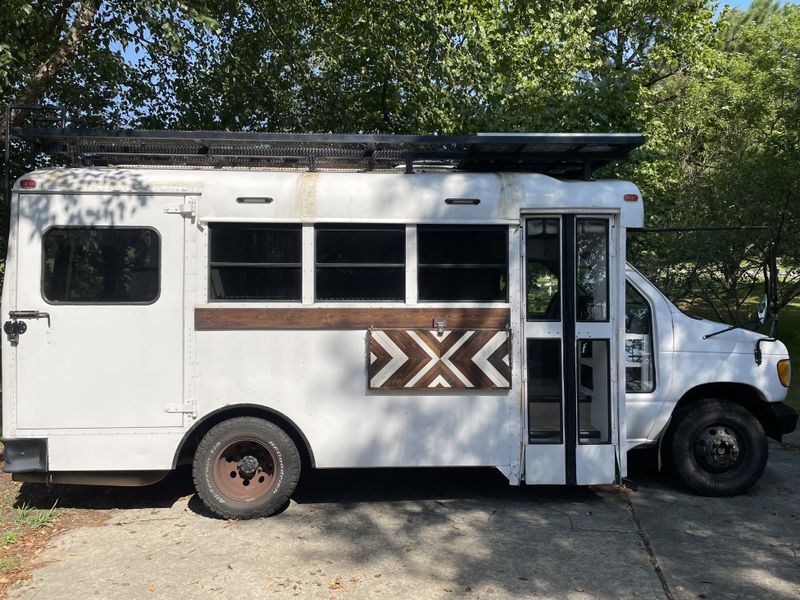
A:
[(564, 155)]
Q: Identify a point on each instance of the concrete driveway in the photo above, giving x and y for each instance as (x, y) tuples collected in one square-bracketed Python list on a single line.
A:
[(437, 534)]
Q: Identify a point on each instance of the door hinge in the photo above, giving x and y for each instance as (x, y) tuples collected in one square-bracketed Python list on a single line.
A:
[(179, 408), (185, 208)]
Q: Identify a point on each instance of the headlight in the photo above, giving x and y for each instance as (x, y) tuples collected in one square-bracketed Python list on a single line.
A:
[(785, 372)]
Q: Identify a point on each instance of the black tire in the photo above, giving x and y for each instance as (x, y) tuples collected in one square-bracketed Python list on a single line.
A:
[(718, 448), (260, 459)]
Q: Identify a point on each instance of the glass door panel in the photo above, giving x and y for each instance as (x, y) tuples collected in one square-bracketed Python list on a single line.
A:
[(543, 270), (570, 388), (594, 393), (591, 238), (545, 392)]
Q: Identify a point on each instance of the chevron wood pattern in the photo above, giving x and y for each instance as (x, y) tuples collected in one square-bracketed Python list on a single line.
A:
[(454, 359)]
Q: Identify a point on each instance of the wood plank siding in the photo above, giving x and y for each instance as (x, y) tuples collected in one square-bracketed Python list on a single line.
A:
[(349, 318)]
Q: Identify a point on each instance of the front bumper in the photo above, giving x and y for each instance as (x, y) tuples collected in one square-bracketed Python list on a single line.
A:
[(25, 455)]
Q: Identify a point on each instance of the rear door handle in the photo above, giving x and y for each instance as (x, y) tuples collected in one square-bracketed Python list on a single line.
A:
[(17, 326), (29, 314)]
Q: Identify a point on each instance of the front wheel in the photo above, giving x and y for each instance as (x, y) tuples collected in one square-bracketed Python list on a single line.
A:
[(246, 468), (718, 448)]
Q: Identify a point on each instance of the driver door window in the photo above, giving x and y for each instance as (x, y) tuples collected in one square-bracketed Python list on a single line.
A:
[(639, 367)]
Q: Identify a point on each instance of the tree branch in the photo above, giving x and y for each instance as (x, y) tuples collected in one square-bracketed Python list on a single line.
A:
[(55, 23), (662, 77), (46, 71)]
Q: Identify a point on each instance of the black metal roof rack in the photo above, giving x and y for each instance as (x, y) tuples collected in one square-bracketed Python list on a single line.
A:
[(564, 155)]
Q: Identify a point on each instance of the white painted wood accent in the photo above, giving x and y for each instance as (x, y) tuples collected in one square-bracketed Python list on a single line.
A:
[(308, 258), (411, 264)]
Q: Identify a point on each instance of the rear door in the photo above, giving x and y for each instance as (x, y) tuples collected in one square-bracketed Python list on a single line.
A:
[(100, 290)]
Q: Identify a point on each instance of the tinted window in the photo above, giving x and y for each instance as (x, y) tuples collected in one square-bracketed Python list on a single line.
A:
[(251, 262), (457, 263), (101, 265), (360, 262), (545, 393)]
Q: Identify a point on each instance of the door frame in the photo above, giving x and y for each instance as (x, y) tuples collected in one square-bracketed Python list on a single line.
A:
[(172, 267), (572, 462)]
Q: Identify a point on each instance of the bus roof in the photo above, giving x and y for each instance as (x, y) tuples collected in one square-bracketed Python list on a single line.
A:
[(562, 155)]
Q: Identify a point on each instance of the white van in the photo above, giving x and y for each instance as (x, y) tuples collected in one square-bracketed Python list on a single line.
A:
[(259, 305)]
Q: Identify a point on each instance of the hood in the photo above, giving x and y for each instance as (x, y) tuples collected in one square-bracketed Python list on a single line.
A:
[(688, 337)]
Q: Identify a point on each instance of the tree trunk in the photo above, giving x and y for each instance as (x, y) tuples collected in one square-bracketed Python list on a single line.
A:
[(47, 70)]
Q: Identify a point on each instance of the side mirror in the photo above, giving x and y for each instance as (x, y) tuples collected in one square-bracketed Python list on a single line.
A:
[(762, 310)]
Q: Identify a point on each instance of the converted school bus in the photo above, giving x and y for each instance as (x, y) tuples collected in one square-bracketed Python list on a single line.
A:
[(259, 305)]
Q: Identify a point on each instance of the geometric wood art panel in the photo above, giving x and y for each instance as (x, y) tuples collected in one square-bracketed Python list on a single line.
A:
[(453, 359)]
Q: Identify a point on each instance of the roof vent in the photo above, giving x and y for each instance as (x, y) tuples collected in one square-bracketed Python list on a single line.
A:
[(254, 200), (463, 201)]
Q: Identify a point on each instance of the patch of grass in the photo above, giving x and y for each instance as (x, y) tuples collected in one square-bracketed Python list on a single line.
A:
[(8, 564), (9, 537), (789, 334), (33, 518)]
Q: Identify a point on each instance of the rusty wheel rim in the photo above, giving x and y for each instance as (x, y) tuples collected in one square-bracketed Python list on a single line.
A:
[(244, 470)]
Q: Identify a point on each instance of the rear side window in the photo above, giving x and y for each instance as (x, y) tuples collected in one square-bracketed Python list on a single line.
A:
[(462, 263), (255, 262), (360, 262), (94, 265)]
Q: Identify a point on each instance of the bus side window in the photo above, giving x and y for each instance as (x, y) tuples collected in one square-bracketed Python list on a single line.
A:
[(360, 262), (639, 367), (254, 262), (462, 263)]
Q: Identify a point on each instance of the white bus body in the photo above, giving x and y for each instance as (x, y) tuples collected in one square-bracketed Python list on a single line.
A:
[(119, 377)]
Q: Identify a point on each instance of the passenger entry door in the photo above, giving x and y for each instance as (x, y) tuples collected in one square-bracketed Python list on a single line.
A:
[(570, 349), (105, 277)]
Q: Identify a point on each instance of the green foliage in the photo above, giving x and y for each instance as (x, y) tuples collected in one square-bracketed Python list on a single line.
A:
[(758, 12), (789, 333), (725, 150), (383, 66), (360, 65), (8, 538), (716, 97), (99, 73)]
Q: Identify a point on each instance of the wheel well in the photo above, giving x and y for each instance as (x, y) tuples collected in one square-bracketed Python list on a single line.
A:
[(745, 395), (186, 449)]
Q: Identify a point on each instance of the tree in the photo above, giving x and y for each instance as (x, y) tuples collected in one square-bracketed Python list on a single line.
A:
[(86, 54), (758, 12), (354, 65), (726, 151), (383, 66)]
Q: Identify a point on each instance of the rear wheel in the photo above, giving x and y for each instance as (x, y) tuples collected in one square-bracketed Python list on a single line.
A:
[(718, 448), (246, 468)]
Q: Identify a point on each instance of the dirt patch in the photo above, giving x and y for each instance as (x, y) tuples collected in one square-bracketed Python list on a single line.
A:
[(26, 528)]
